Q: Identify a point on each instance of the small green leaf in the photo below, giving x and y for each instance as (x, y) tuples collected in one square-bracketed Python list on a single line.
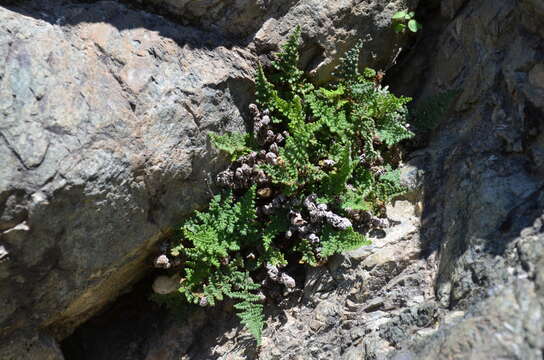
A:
[(399, 28), (234, 144), (369, 73), (412, 25), (411, 14), (399, 15)]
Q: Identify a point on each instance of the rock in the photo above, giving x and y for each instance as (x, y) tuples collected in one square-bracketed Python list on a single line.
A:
[(104, 111), (536, 76), (400, 210), (449, 8), (503, 326), (26, 345), (330, 27), (390, 254), (453, 317), (383, 249), (404, 355), (236, 17), (104, 114), (165, 284), (482, 194)]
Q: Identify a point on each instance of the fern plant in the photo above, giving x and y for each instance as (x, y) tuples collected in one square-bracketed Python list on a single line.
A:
[(352, 119), (321, 171), (234, 144)]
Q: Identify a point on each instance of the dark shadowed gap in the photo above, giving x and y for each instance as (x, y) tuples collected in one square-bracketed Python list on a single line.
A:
[(136, 328), (122, 331)]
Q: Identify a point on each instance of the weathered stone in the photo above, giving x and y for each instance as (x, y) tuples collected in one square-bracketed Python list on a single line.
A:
[(165, 284), (330, 27), (449, 8), (481, 191), (536, 76), (29, 345), (236, 17), (103, 147)]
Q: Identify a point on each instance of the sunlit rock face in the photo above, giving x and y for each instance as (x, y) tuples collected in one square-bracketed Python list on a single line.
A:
[(330, 27)]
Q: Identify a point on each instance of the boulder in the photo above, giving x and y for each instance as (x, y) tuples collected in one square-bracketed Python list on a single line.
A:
[(483, 201), (103, 148)]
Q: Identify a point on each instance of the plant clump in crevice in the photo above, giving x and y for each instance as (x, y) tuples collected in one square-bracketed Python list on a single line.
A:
[(309, 181)]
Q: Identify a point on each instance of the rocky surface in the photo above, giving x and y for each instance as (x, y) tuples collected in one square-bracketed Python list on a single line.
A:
[(330, 27), (483, 191), (467, 282), (360, 305), (104, 111), (103, 147)]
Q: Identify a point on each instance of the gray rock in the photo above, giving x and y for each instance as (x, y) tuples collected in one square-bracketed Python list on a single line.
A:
[(236, 17), (103, 146), (165, 284), (330, 27), (29, 345), (483, 180)]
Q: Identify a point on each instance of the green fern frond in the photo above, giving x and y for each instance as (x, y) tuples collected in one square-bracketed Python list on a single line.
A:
[(287, 61), (335, 242), (234, 144), (354, 200), (278, 224), (389, 185), (336, 182), (348, 70), (308, 253), (252, 317)]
